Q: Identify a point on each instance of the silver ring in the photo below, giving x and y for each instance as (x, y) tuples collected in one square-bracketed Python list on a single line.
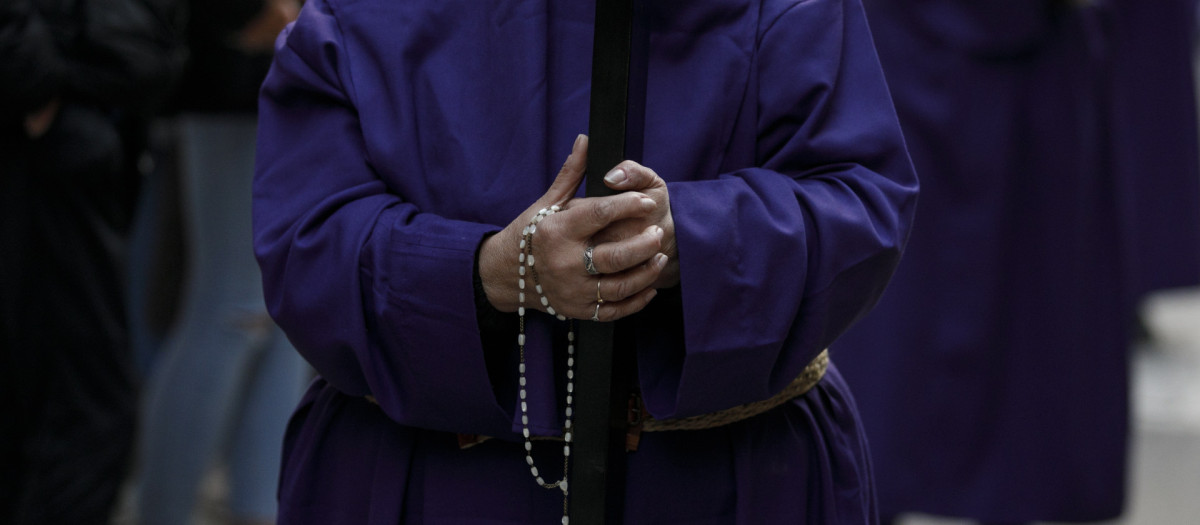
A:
[(588, 264), (596, 316)]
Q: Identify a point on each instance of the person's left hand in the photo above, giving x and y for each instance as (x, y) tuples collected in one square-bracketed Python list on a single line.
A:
[(631, 176)]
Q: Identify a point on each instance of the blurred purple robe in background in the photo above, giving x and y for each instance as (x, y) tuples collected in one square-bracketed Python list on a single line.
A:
[(992, 376), (395, 135), (1155, 141)]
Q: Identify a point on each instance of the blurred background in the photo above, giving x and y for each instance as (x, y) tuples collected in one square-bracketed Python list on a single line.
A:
[(1165, 459), (1049, 299)]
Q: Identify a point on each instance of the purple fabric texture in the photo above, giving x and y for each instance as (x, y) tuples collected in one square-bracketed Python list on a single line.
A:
[(394, 136), (992, 376), (1155, 141)]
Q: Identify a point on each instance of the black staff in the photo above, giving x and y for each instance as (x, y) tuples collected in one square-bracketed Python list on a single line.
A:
[(597, 478)]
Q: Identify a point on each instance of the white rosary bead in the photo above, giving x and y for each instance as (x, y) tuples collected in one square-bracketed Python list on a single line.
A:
[(526, 258)]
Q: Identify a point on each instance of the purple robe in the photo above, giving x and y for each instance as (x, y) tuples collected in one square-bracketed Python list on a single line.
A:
[(992, 376), (395, 135)]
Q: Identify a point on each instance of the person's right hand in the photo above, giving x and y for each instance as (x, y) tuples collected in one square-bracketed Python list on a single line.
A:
[(627, 268)]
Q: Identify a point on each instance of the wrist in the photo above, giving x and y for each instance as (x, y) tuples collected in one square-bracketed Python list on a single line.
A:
[(499, 285)]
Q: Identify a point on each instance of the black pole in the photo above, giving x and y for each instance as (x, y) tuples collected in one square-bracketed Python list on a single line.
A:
[(597, 478)]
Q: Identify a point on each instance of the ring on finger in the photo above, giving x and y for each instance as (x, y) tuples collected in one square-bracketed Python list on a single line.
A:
[(599, 300), (588, 264), (596, 315)]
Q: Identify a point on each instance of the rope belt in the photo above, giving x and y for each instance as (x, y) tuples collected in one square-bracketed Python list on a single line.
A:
[(808, 378), (641, 421)]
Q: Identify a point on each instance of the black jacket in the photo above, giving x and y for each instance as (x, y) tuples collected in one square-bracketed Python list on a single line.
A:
[(109, 63), (113, 54)]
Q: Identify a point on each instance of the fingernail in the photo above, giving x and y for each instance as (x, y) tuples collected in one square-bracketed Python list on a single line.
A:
[(660, 260), (616, 176), (654, 230), (649, 203), (578, 141)]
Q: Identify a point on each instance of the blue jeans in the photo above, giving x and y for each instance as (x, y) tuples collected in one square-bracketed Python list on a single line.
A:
[(227, 379)]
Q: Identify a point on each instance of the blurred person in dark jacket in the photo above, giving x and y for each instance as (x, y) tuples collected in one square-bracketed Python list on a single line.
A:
[(78, 80), (227, 379)]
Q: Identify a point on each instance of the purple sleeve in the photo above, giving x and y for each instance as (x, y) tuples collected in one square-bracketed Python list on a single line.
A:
[(807, 240), (377, 295)]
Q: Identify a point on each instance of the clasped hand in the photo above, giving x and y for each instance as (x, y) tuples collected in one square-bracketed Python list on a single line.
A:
[(631, 235)]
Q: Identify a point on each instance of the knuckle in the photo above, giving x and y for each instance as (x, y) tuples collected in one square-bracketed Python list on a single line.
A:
[(602, 211), (547, 229), (621, 291), (634, 170), (616, 257)]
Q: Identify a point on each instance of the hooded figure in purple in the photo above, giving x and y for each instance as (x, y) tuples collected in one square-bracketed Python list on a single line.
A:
[(993, 374), (403, 148)]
